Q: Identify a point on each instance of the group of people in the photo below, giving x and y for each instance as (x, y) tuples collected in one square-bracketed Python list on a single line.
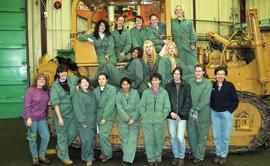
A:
[(149, 91)]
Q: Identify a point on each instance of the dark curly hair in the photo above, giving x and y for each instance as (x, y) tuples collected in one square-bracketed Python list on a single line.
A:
[(96, 30)]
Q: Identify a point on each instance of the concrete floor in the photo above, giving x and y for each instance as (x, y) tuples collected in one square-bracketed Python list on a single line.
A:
[(15, 152)]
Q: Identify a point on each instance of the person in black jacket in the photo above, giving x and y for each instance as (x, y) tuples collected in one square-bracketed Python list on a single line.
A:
[(180, 99), (224, 101)]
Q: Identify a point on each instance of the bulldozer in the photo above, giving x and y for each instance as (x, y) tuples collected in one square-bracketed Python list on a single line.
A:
[(246, 54)]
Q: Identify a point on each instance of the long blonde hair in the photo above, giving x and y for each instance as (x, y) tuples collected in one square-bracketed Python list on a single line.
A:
[(171, 58), (154, 54)]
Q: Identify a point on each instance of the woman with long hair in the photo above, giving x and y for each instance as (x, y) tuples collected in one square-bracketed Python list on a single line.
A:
[(103, 42)]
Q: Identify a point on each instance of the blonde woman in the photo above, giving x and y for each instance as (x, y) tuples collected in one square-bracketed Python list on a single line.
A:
[(167, 62), (150, 63)]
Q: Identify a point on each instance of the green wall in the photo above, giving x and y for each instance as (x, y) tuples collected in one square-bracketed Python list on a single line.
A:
[(13, 57)]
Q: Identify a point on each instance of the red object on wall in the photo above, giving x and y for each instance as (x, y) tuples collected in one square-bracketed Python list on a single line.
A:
[(57, 4)]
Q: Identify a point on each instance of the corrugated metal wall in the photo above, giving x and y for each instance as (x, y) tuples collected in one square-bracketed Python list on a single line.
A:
[(262, 6), (58, 27), (211, 15)]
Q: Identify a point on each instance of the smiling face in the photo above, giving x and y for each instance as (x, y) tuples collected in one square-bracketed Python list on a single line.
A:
[(135, 54), (125, 86), (139, 22), (154, 20), (179, 12), (199, 73), (102, 27), (120, 22), (41, 81), (220, 76), (63, 76), (102, 80), (84, 84), (171, 50)]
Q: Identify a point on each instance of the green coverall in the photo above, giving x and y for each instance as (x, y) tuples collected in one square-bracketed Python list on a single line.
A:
[(105, 111), (104, 47), (157, 33), (133, 70), (59, 97), (127, 109), (184, 37), (154, 111), (138, 37), (122, 43), (84, 104), (165, 69), (198, 130)]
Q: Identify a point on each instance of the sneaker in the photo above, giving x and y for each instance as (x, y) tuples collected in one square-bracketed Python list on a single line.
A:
[(67, 162), (44, 160), (35, 161), (89, 163), (196, 160), (181, 162), (222, 160), (174, 161), (105, 159), (216, 160)]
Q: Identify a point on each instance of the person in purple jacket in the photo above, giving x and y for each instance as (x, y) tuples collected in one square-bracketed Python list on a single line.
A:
[(36, 101)]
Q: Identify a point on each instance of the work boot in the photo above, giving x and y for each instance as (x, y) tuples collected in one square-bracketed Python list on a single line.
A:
[(89, 163), (44, 160), (181, 162), (222, 161), (67, 162), (35, 161), (216, 160), (174, 161), (196, 160)]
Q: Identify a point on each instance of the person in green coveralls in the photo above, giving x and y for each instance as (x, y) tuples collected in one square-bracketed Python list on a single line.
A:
[(133, 70), (128, 119), (105, 95), (154, 108), (167, 63), (200, 114), (159, 31), (84, 104), (139, 34), (150, 62), (103, 43), (122, 40), (185, 37), (61, 93)]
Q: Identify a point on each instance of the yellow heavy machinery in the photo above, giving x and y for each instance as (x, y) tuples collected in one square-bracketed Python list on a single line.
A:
[(245, 53)]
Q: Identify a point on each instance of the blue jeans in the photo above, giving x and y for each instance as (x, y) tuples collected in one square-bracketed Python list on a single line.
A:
[(177, 131), (222, 124), (40, 127)]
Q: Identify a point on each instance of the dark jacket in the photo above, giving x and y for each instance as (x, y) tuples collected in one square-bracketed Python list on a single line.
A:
[(184, 99), (225, 99)]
